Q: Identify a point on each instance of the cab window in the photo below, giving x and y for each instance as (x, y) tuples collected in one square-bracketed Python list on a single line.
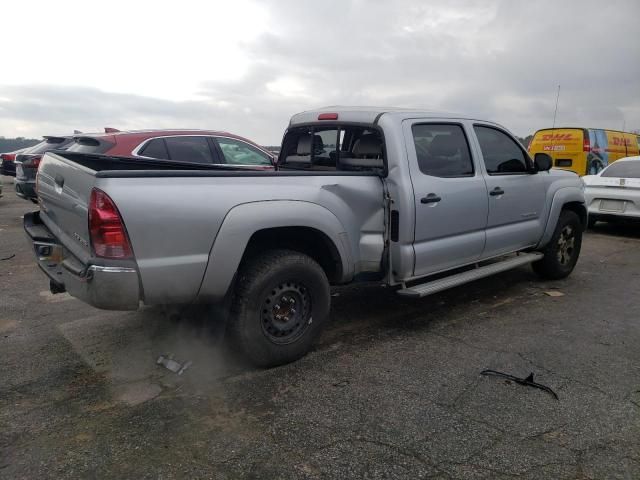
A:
[(501, 154), (442, 150)]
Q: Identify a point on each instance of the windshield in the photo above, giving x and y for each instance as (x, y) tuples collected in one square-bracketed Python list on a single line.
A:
[(629, 169)]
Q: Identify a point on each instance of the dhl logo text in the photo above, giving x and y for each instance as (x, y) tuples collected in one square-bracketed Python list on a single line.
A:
[(557, 136)]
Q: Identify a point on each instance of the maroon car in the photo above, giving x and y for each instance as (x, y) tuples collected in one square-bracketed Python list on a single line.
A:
[(192, 146), (200, 146)]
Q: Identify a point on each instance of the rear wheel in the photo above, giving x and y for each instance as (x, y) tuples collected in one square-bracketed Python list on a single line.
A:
[(563, 250), (280, 305)]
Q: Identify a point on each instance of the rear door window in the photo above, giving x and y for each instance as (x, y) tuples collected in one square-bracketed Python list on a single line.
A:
[(155, 148), (501, 154), (237, 152), (442, 150), (189, 149)]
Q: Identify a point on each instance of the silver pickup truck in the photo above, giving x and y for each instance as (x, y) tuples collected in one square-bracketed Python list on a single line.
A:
[(417, 200)]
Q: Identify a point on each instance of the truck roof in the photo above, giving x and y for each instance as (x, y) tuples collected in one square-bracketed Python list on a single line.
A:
[(370, 114)]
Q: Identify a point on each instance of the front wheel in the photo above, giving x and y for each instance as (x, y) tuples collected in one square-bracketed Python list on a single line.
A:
[(280, 305), (563, 250)]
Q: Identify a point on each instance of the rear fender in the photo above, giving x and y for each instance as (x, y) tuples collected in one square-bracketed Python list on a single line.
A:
[(566, 196), (244, 220)]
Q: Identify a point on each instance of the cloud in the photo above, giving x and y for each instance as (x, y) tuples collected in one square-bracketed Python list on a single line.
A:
[(500, 60)]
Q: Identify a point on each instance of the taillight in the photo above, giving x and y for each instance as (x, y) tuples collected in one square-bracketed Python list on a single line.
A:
[(9, 157), (328, 116), (33, 162), (108, 236), (586, 145)]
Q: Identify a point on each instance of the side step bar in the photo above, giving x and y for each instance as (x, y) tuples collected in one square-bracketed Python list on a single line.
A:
[(435, 286)]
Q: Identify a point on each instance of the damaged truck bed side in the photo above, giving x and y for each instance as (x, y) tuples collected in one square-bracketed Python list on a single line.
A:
[(359, 194)]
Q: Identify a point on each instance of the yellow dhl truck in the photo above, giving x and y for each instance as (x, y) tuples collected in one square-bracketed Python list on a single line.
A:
[(584, 151)]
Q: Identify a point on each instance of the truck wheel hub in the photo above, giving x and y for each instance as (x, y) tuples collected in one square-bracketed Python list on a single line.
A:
[(285, 312), (566, 245)]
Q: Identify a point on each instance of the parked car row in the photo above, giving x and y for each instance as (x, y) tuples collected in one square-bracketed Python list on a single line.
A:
[(204, 147)]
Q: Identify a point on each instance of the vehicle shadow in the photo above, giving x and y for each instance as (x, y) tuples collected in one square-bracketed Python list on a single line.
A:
[(360, 314)]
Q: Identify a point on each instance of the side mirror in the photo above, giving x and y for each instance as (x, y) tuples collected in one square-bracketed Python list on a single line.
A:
[(543, 162)]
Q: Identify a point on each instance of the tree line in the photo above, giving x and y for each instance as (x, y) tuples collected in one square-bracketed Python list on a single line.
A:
[(11, 144)]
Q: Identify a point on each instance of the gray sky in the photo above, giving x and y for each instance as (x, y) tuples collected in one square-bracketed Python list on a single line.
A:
[(246, 67)]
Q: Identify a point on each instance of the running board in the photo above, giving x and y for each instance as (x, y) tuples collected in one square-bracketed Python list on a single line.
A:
[(435, 286)]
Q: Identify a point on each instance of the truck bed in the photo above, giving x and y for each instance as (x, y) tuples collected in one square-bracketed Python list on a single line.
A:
[(174, 212)]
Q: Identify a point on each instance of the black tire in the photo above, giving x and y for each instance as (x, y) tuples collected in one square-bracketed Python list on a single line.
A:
[(562, 252), (280, 305)]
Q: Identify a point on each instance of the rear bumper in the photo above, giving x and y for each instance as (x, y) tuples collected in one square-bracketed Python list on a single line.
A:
[(613, 202), (110, 287)]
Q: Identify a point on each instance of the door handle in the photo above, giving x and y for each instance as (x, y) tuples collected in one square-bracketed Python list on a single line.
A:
[(59, 179), (431, 198), (496, 191)]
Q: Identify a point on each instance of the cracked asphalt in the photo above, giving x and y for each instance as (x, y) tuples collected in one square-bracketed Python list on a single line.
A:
[(392, 390)]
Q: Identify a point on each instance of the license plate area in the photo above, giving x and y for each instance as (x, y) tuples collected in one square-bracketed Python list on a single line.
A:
[(612, 205), (48, 253), (19, 170)]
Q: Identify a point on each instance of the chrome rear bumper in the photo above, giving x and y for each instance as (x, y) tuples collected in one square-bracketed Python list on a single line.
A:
[(103, 286)]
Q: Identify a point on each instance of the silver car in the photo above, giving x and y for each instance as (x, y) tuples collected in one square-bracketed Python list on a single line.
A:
[(614, 193)]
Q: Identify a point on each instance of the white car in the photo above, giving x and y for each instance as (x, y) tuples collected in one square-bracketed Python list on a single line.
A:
[(614, 193)]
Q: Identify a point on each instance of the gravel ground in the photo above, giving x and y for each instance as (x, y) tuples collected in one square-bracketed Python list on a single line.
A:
[(392, 390)]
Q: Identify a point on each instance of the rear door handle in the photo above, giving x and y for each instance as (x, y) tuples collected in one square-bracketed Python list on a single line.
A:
[(496, 191), (431, 198)]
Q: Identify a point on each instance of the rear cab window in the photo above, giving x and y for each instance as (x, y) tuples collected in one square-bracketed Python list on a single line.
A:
[(341, 147)]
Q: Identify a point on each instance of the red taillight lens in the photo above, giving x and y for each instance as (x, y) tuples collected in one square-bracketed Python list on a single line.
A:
[(9, 157), (328, 116), (586, 146), (33, 162), (108, 236)]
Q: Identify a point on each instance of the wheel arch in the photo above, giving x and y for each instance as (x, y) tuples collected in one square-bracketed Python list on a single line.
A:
[(567, 198), (251, 228)]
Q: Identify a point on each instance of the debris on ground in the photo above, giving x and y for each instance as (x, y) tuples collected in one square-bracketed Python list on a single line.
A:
[(9, 257), (169, 363), (554, 293), (528, 381)]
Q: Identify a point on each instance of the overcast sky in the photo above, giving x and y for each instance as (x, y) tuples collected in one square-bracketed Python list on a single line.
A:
[(246, 66)]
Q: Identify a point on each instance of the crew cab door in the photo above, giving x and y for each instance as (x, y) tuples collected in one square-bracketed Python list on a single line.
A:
[(516, 194), (450, 196)]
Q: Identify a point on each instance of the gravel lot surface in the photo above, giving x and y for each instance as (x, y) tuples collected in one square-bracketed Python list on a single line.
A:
[(392, 390)]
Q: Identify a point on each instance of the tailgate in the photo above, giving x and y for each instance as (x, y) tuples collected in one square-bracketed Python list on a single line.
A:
[(64, 188)]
